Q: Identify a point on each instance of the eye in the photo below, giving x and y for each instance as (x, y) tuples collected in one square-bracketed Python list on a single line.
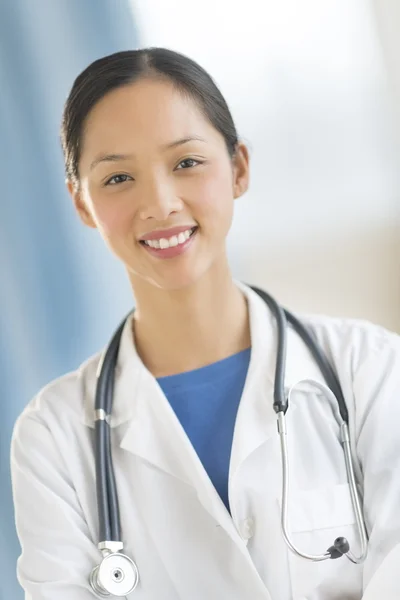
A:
[(188, 163), (117, 179)]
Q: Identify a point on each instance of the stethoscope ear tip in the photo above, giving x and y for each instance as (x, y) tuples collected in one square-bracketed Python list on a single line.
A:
[(340, 547)]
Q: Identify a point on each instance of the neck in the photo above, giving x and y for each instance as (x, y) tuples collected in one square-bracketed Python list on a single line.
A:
[(185, 329)]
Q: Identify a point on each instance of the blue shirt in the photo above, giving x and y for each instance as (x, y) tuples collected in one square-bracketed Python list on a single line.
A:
[(206, 401)]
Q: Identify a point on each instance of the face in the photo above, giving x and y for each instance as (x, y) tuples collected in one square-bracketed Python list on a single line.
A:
[(158, 183)]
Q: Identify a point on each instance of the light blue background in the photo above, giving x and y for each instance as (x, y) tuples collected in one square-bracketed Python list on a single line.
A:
[(61, 291)]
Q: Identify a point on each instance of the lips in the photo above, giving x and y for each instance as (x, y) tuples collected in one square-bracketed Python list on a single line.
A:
[(159, 234), (172, 247)]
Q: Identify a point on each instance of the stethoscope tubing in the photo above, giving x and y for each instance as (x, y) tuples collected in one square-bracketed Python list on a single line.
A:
[(281, 403), (107, 497), (283, 317)]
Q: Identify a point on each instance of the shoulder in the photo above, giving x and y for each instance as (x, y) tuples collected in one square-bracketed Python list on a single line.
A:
[(63, 399), (355, 332), (351, 345), (355, 345)]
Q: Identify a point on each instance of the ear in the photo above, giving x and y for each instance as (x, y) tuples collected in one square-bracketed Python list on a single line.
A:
[(80, 205), (241, 165)]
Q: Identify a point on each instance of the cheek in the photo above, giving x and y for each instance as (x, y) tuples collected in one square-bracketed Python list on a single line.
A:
[(214, 200), (113, 216)]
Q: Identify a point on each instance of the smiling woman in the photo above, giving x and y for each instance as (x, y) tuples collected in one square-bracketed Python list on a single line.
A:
[(153, 161), (155, 135)]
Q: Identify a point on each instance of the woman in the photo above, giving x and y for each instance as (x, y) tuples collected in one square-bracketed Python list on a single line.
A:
[(153, 162)]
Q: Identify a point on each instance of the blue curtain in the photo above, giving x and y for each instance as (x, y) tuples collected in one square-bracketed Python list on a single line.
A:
[(61, 291)]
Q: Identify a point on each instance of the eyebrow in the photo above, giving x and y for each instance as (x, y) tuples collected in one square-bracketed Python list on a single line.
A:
[(116, 157)]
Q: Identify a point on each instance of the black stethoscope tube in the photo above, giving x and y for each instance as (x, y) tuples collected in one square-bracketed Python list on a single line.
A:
[(282, 318), (280, 402), (107, 496)]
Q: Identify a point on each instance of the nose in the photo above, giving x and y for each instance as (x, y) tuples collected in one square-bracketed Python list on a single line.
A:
[(159, 201)]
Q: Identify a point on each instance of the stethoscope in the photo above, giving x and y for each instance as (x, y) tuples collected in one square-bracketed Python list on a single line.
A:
[(117, 574)]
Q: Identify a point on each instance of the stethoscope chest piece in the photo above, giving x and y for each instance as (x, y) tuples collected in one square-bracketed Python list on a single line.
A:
[(117, 575)]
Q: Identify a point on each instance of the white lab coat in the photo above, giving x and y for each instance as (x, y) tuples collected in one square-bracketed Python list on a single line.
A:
[(175, 526)]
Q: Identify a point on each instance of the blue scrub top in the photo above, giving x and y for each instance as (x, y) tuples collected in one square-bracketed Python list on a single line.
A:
[(206, 401)]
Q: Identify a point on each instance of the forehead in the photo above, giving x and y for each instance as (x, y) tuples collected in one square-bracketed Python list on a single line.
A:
[(147, 113)]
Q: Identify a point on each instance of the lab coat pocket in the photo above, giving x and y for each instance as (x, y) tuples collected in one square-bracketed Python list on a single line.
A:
[(316, 518)]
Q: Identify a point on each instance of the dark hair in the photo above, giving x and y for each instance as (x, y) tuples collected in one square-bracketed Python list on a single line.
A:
[(123, 68)]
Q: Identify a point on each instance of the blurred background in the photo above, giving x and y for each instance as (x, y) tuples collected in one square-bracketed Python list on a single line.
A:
[(314, 88)]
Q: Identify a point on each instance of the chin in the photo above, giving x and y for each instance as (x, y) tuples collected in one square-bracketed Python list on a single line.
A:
[(172, 279), (177, 274), (175, 282)]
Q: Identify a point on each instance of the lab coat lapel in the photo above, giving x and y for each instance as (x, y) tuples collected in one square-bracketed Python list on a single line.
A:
[(156, 435), (300, 365), (256, 421)]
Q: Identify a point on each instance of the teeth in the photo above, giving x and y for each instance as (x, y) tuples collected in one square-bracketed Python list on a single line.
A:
[(175, 240)]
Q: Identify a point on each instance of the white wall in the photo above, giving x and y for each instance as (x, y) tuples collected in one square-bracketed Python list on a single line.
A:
[(307, 86)]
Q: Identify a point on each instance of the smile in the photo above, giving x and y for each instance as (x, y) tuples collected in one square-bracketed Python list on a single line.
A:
[(172, 242)]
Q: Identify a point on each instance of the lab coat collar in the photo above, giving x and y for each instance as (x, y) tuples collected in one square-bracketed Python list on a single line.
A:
[(256, 418), (131, 375), (128, 373), (300, 365)]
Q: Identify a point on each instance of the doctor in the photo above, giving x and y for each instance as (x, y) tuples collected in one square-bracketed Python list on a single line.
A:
[(153, 162)]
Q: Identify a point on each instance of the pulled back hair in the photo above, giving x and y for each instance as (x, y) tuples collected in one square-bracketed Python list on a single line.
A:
[(124, 68)]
